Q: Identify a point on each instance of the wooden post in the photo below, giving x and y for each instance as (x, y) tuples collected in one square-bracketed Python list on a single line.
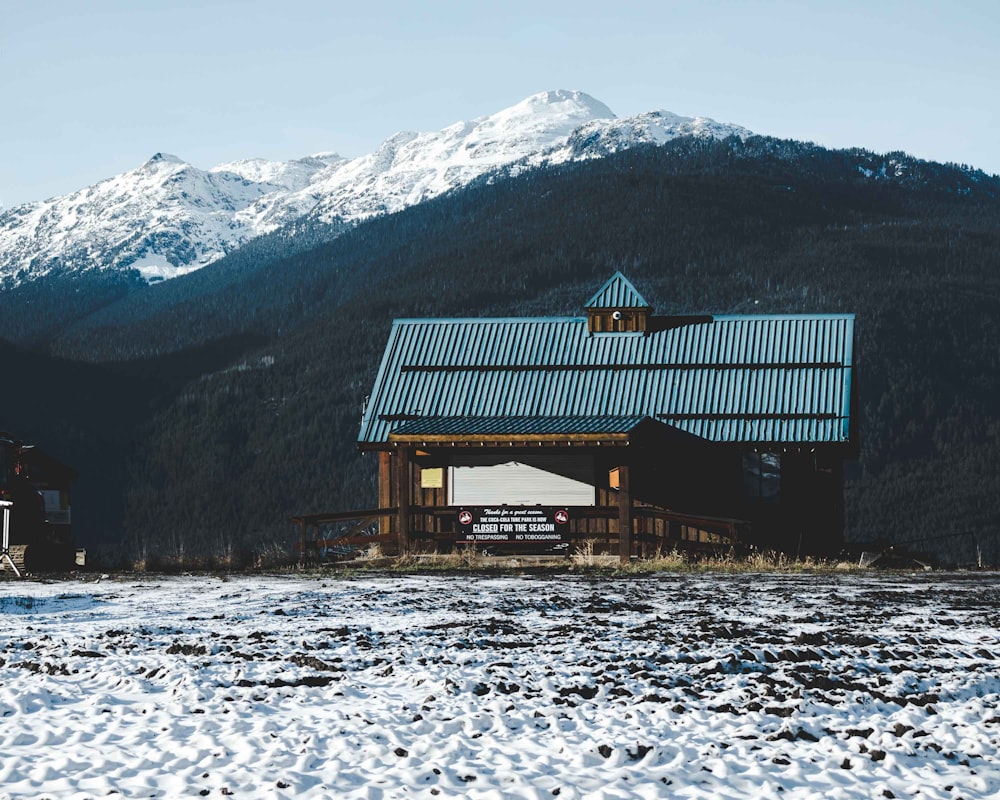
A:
[(401, 479), (384, 490), (673, 532), (624, 515), (302, 542)]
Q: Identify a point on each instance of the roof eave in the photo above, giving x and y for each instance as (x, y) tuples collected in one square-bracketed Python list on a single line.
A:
[(518, 440)]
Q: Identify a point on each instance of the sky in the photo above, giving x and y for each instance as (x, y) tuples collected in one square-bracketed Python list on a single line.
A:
[(92, 88)]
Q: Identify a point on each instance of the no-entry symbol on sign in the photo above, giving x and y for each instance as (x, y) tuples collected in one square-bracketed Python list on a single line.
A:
[(464, 517)]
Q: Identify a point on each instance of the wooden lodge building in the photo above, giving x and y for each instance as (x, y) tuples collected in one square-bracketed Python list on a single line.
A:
[(38, 488), (633, 432)]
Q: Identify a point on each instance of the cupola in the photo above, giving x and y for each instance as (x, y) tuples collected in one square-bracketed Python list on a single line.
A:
[(617, 307)]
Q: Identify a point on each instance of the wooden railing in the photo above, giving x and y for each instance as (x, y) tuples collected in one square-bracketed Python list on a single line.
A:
[(312, 548), (726, 527)]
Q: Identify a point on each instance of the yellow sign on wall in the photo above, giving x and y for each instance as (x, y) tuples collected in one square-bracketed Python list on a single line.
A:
[(432, 478)]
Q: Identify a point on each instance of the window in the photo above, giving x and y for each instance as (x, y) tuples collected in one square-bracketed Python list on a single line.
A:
[(523, 480), (762, 475)]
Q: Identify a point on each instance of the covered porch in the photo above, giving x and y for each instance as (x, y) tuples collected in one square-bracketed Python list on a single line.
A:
[(526, 485)]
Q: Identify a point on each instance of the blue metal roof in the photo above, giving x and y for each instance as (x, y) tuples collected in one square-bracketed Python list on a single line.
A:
[(518, 426), (750, 379), (617, 292)]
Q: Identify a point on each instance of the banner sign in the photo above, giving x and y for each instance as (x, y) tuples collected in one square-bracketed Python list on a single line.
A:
[(529, 528)]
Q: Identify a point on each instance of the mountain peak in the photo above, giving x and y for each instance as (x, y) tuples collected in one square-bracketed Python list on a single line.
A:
[(566, 98), (326, 155), (168, 217), (559, 111), (164, 158)]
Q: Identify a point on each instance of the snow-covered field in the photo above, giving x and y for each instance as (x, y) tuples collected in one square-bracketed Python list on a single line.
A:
[(502, 687)]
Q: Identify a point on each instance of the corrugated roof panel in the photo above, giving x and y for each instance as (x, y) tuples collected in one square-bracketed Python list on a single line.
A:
[(704, 392), (518, 425), (734, 366)]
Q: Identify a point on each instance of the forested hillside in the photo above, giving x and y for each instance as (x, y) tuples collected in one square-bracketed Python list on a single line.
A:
[(249, 376)]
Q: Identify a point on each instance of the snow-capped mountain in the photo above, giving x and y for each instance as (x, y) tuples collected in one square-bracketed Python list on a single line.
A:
[(163, 219), (167, 217), (601, 137), (411, 167)]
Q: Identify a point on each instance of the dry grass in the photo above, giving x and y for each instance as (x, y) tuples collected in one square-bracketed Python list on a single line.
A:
[(371, 553), (586, 557), (463, 558), (583, 555), (755, 561)]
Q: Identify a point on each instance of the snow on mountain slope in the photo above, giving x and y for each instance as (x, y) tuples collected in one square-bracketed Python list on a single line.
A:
[(602, 137), (167, 217), (288, 175), (164, 218), (411, 167)]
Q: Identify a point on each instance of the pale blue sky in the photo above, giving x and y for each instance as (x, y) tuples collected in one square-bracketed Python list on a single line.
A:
[(91, 88)]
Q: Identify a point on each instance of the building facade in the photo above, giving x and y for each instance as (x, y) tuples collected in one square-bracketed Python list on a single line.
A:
[(629, 431), (38, 487)]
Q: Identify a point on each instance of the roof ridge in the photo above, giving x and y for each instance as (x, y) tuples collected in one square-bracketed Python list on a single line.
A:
[(617, 292)]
